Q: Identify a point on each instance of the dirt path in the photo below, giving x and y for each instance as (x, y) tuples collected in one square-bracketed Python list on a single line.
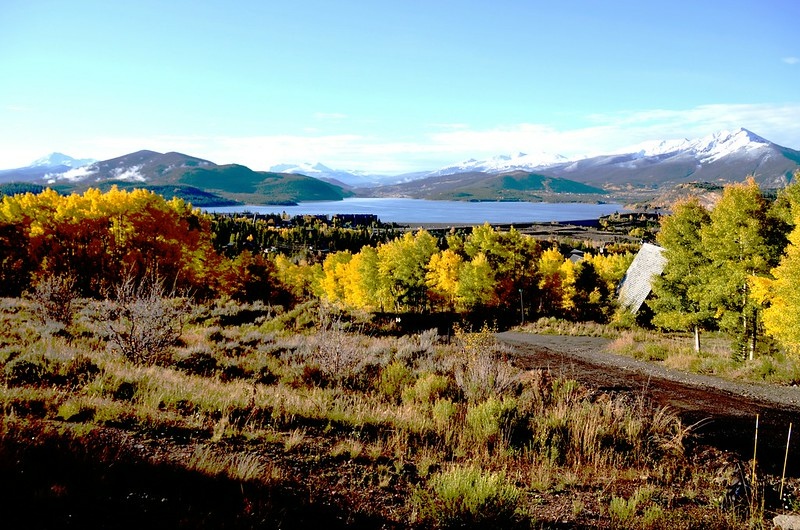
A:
[(724, 412)]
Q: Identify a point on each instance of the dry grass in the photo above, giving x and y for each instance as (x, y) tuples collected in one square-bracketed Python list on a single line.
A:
[(558, 326), (716, 358), (458, 415)]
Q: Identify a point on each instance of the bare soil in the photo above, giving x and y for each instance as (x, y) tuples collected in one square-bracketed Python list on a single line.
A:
[(722, 413)]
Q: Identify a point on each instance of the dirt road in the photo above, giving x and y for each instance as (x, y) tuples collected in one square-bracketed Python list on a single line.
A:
[(723, 412)]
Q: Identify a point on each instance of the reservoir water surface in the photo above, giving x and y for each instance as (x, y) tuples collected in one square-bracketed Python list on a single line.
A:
[(410, 211)]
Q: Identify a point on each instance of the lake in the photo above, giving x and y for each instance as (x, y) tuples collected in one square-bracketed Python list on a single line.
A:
[(410, 211)]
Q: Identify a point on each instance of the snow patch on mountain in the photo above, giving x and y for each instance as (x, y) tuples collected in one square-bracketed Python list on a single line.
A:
[(304, 168), (656, 148)]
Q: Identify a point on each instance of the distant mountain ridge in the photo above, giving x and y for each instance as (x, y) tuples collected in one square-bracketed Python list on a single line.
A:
[(719, 158), (54, 160), (502, 164), (175, 174), (479, 186), (352, 179), (52, 163), (724, 156)]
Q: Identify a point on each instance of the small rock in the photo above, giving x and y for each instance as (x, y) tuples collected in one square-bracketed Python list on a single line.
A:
[(786, 522)]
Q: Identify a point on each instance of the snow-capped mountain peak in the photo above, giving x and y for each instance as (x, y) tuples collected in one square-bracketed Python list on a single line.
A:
[(706, 149), (657, 147), (60, 159), (321, 171), (724, 143), (503, 163)]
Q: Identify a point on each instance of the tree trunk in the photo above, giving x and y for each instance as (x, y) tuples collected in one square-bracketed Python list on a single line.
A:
[(697, 339)]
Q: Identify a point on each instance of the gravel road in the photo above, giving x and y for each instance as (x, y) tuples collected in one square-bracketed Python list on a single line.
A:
[(723, 412)]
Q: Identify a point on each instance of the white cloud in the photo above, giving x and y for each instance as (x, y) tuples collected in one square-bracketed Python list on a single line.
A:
[(778, 123), (791, 60), (77, 174), (442, 144)]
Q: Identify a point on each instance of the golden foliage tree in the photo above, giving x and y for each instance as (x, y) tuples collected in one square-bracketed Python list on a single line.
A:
[(100, 238), (443, 276), (782, 315), (402, 267)]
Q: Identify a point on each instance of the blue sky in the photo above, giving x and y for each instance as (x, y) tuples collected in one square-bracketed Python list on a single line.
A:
[(389, 86)]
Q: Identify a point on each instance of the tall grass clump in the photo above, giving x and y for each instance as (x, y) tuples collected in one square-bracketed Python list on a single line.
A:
[(468, 497), (570, 428)]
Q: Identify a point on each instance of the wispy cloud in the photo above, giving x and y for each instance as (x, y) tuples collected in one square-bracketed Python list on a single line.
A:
[(791, 60)]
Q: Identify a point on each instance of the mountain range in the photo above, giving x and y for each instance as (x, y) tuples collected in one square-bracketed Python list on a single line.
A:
[(38, 169), (723, 157), (174, 174)]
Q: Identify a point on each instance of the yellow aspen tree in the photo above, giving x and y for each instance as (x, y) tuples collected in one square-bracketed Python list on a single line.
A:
[(550, 282), (333, 273), (476, 282), (442, 276), (568, 289), (782, 316)]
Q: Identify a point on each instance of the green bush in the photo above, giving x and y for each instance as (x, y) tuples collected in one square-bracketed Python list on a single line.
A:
[(623, 319), (75, 411), (468, 497), (491, 421), (427, 389), (443, 412), (394, 378), (622, 511)]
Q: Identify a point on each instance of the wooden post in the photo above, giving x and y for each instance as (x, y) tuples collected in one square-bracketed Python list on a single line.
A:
[(753, 474), (785, 459)]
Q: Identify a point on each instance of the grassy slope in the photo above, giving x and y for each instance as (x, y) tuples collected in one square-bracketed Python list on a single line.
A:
[(369, 429)]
